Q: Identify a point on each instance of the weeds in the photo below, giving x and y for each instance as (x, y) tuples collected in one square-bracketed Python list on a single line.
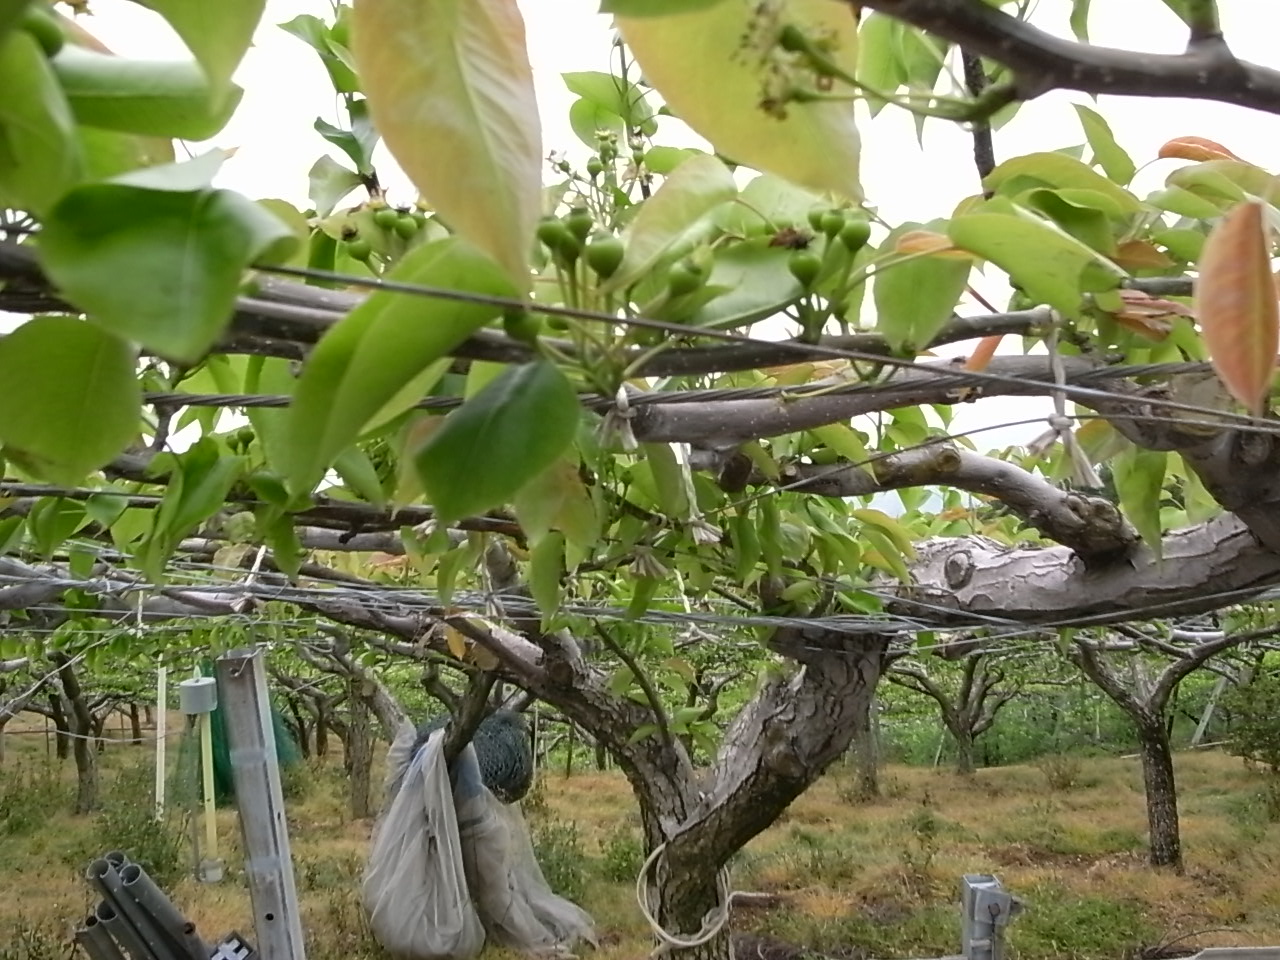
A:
[(28, 792), (1062, 772), (127, 822), (24, 939), (622, 855), (558, 847)]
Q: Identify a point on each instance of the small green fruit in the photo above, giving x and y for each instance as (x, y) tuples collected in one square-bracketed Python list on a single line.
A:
[(386, 218), (805, 265), (684, 277), (832, 222), (521, 325), (359, 248), (407, 226), (579, 222), (595, 167), (552, 231), (855, 234), (815, 218), (604, 255)]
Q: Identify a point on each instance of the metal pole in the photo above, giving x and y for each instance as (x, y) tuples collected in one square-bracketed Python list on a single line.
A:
[(162, 705), (1203, 726), (242, 694), (210, 801)]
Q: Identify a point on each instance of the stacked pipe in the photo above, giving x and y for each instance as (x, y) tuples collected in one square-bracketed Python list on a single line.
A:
[(135, 919)]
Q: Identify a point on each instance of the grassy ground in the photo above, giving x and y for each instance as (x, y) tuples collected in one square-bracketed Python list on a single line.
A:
[(851, 878)]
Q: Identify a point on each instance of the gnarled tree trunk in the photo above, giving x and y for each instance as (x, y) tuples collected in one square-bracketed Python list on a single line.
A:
[(1162, 795)]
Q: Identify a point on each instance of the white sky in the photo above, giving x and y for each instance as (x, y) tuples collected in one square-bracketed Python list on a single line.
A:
[(286, 88)]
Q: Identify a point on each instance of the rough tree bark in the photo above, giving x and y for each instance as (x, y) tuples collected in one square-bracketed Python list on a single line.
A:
[(135, 725), (1164, 835), (82, 748), (359, 746), (866, 755)]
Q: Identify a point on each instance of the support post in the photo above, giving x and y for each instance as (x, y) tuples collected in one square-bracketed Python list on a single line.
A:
[(162, 706), (985, 909), (242, 693)]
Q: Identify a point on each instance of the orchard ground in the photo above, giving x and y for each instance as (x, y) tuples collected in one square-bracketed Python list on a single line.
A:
[(844, 877)]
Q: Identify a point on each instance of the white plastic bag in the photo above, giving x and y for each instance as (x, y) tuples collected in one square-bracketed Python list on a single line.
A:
[(415, 885), (517, 907)]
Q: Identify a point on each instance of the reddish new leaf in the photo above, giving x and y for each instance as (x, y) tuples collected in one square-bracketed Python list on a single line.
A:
[(1237, 306), (983, 352), (1195, 148)]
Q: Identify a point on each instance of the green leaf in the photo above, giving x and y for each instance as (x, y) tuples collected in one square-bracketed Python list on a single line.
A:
[(329, 182), (379, 348), (1106, 152), (713, 64), (1182, 8), (71, 400), (915, 297), (1057, 170), (880, 65), (589, 119), (10, 11), (52, 520), (451, 91), (1080, 27), (316, 34), (653, 8), (359, 142), (499, 440), (890, 527), (360, 476), (217, 34), (39, 154), (546, 567), (159, 266), (643, 591), (279, 533), (888, 551), (843, 440), (197, 488), (619, 97), (662, 160), (670, 491), (1186, 204), (693, 190), (1051, 266), (757, 281), (108, 154), (1088, 224), (159, 98), (556, 499), (1139, 482), (746, 546)]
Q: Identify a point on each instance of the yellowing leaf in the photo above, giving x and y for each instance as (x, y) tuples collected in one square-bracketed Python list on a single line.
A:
[(923, 241), (451, 92), (1141, 254), (1195, 148), (722, 70), (1237, 306), (455, 641)]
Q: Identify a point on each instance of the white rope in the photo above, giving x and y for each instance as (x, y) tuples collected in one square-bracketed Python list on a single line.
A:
[(713, 922)]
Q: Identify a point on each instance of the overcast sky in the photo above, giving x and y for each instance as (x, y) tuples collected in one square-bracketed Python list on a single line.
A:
[(286, 89)]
